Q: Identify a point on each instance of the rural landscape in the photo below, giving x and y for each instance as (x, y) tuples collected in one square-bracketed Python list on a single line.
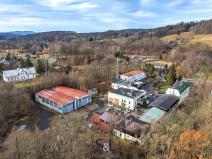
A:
[(127, 93)]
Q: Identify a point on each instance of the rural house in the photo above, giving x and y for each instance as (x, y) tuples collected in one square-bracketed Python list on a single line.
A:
[(63, 99), (180, 89), (126, 97), (122, 84), (133, 76), (19, 74)]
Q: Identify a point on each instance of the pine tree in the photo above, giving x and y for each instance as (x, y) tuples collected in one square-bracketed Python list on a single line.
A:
[(171, 76), (40, 68)]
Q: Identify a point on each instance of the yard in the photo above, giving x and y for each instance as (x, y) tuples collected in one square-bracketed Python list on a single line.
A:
[(163, 86)]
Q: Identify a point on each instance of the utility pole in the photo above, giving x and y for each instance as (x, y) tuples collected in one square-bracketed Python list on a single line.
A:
[(117, 67)]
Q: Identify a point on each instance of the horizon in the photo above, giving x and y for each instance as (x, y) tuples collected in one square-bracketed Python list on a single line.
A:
[(85, 16)]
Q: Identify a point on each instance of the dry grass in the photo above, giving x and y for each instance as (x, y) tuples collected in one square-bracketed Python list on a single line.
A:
[(190, 37)]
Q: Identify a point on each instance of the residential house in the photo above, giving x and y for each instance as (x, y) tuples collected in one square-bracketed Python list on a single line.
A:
[(105, 121), (165, 102), (180, 89), (19, 74), (130, 128), (152, 115), (5, 61), (122, 84), (63, 99), (126, 97), (133, 76)]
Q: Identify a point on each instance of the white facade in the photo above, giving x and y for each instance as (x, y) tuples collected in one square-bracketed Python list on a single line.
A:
[(19, 74), (127, 101), (123, 135), (177, 93), (133, 76), (119, 85)]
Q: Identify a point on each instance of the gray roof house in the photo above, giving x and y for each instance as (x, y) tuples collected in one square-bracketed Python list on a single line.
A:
[(19, 74)]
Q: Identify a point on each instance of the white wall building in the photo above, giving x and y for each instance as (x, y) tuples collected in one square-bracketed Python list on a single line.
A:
[(126, 97), (19, 74), (180, 89), (133, 76), (122, 84)]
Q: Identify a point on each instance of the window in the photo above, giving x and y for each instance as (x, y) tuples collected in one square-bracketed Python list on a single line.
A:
[(129, 102)]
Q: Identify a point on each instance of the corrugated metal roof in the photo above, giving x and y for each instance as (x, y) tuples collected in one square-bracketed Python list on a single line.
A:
[(70, 91), (152, 115), (165, 102), (61, 95)]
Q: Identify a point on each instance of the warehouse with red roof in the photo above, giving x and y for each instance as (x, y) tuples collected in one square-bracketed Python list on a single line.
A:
[(63, 99)]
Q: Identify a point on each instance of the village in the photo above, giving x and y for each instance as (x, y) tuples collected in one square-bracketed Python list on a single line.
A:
[(132, 102)]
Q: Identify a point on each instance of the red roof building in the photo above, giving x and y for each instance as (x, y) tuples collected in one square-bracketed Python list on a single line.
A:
[(63, 99)]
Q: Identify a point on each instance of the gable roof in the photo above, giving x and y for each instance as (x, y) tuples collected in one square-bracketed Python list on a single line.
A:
[(61, 95), (13, 73), (133, 73), (152, 115), (165, 102), (181, 86), (130, 93)]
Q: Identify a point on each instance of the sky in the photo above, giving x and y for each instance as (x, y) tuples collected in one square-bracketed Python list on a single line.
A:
[(98, 15)]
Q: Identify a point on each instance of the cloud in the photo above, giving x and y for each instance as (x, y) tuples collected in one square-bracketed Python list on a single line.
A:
[(176, 3), (141, 13), (65, 5), (22, 21)]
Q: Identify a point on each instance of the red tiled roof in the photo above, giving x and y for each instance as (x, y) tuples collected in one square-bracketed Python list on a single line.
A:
[(104, 127), (95, 118), (61, 95), (133, 73)]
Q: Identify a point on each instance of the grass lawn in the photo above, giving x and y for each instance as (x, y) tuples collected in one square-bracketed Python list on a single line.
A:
[(163, 86)]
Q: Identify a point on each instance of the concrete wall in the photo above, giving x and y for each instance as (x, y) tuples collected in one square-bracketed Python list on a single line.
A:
[(123, 135)]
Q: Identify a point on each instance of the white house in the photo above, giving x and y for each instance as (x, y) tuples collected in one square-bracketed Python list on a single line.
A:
[(63, 99), (122, 84), (133, 76), (180, 89), (19, 74), (126, 97)]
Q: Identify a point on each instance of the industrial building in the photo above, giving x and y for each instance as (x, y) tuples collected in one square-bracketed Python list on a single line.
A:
[(126, 97), (63, 99)]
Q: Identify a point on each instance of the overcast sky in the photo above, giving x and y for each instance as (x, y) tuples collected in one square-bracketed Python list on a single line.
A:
[(98, 15)]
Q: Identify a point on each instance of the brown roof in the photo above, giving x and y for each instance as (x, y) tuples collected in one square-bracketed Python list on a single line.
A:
[(133, 73)]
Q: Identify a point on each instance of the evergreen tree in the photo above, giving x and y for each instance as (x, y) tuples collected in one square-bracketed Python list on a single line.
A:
[(40, 68), (171, 76), (28, 63)]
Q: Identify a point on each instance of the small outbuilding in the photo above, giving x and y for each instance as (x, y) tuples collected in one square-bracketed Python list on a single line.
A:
[(165, 102), (152, 115)]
